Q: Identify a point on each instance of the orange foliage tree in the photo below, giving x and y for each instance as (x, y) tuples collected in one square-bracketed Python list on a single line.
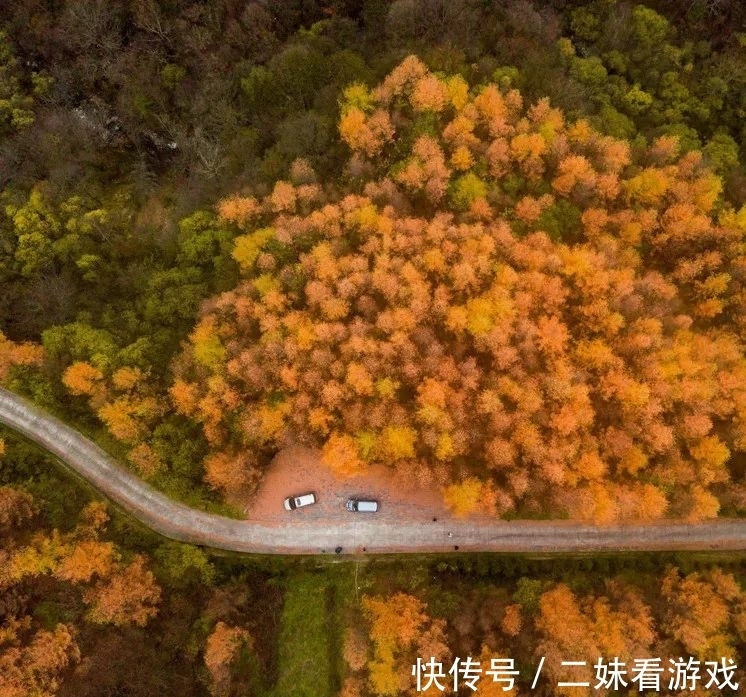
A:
[(126, 403), (401, 631), (14, 354), (221, 650), (38, 667), (15, 506), (537, 315), (617, 624), (705, 614), (129, 596)]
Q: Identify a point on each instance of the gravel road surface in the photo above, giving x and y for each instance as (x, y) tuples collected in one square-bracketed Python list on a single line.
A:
[(355, 534)]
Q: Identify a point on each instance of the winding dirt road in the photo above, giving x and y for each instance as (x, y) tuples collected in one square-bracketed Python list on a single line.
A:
[(354, 534)]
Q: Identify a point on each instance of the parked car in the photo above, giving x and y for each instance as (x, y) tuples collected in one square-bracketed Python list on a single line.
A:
[(362, 505), (293, 502)]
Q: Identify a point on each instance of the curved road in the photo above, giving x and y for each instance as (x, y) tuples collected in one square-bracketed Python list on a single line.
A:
[(353, 534)]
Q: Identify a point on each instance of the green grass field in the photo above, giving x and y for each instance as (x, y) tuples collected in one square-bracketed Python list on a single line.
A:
[(305, 661)]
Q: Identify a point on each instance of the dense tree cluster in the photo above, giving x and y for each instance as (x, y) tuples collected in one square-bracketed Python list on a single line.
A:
[(115, 591), (84, 598), (491, 294), (107, 250), (110, 590), (400, 630), (549, 619), (640, 76), (518, 308)]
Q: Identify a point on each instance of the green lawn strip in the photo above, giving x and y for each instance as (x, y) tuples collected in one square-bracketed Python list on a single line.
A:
[(304, 642)]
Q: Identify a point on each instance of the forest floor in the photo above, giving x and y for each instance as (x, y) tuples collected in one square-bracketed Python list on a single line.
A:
[(299, 470)]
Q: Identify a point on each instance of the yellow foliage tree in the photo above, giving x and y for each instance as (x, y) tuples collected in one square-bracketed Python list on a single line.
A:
[(465, 497), (400, 630)]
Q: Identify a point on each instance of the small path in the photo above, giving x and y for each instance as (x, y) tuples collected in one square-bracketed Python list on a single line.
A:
[(300, 533)]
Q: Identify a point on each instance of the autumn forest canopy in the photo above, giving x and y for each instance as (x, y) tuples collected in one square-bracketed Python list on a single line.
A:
[(496, 247), (536, 316)]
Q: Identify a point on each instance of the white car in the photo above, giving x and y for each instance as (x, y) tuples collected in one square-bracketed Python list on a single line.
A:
[(293, 502)]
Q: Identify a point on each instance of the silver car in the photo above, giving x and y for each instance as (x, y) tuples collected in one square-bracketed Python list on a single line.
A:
[(362, 505)]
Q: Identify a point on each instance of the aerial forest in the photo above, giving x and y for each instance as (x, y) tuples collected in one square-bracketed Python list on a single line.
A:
[(498, 248), (536, 315), (532, 301)]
